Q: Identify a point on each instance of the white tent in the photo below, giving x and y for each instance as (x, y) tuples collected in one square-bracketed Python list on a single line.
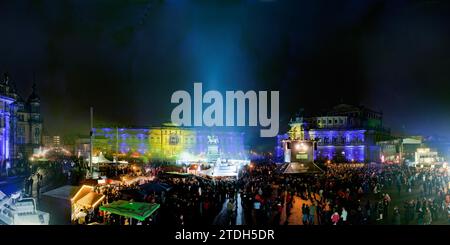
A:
[(100, 159)]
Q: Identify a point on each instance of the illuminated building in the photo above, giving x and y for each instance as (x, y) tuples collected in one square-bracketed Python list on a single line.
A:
[(21, 124), (51, 141), (167, 142), (440, 143), (425, 157), (399, 150), (279, 148), (344, 134), (121, 140)]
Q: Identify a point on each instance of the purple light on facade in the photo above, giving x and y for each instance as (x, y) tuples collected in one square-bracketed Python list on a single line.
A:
[(345, 143), (279, 151), (123, 148), (355, 153)]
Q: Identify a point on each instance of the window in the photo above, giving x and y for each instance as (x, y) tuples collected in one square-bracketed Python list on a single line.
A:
[(329, 121), (335, 121), (21, 130), (341, 121)]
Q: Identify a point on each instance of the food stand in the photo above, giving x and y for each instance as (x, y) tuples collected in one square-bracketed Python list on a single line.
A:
[(133, 210), (85, 199)]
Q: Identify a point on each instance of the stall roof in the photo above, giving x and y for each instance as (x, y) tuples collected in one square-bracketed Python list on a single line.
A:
[(83, 191), (64, 192), (100, 159), (179, 174), (136, 210)]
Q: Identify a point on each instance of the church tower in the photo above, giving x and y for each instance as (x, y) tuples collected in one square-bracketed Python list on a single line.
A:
[(34, 104)]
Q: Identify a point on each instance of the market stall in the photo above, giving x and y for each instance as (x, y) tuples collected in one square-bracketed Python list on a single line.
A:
[(133, 210), (130, 180), (178, 174), (85, 200), (57, 203)]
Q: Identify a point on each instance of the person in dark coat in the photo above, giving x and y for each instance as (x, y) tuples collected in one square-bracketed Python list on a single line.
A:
[(396, 216), (31, 185), (304, 214)]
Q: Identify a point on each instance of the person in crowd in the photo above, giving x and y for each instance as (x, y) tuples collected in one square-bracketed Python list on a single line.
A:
[(312, 213), (380, 210), (304, 215), (427, 217), (420, 216), (335, 218), (396, 216), (344, 216)]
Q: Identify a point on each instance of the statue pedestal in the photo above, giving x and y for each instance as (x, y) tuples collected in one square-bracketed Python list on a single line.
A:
[(224, 169)]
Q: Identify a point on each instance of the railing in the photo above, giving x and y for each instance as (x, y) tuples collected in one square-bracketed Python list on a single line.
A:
[(340, 143), (338, 127), (32, 200)]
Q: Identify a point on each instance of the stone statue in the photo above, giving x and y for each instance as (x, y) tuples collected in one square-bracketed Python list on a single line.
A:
[(213, 140)]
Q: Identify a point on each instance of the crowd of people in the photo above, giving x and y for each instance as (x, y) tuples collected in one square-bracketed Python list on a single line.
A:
[(196, 200), (188, 199), (343, 194), (346, 194)]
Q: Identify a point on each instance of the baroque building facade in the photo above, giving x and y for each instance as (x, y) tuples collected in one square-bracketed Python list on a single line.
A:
[(167, 142), (20, 125), (346, 133)]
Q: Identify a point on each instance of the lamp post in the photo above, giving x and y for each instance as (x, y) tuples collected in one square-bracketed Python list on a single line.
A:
[(91, 142)]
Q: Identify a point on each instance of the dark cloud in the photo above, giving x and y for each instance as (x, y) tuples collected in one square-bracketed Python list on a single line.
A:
[(127, 57)]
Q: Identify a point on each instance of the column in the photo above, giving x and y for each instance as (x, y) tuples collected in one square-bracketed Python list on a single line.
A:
[(7, 135)]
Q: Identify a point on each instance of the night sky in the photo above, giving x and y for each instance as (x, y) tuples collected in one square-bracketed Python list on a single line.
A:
[(126, 58)]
